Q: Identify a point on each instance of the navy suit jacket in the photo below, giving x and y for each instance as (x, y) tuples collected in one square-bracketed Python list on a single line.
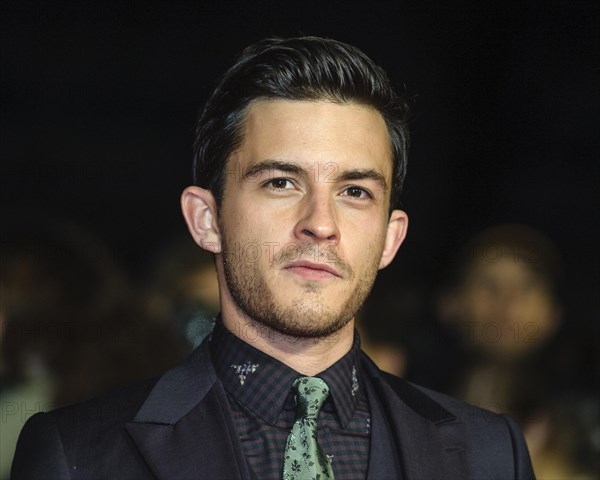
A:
[(178, 428)]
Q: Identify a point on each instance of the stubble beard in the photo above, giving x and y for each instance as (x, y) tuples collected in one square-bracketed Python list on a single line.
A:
[(308, 316)]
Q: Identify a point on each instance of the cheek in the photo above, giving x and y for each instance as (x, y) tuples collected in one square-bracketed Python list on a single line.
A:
[(477, 305), (238, 222), (367, 256), (539, 311), (366, 236)]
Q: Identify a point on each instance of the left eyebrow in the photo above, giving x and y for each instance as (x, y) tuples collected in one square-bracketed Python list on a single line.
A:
[(267, 165), (360, 174)]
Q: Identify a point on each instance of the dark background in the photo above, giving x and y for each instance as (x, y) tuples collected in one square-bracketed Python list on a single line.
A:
[(99, 100)]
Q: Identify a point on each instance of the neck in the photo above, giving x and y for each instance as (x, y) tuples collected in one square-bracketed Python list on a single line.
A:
[(308, 356)]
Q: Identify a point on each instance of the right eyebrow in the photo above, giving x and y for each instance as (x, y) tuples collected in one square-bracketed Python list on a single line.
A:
[(265, 165), (360, 174)]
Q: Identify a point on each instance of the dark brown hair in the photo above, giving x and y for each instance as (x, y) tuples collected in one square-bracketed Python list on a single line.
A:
[(304, 68)]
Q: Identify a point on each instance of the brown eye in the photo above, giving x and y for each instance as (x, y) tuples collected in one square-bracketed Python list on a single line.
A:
[(355, 191), (279, 183), (358, 193)]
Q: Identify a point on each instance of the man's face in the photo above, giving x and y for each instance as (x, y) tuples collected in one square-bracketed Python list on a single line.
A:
[(511, 309), (304, 217)]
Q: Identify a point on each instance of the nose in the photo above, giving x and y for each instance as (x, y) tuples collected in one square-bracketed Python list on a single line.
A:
[(318, 220)]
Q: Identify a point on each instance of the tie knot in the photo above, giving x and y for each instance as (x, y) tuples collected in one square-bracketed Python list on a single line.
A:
[(310, 392)]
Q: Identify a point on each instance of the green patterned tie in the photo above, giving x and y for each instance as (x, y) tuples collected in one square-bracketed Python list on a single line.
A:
[(304, 459)]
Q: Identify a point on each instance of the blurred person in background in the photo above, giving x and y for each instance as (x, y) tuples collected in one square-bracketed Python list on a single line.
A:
[(387, 354), (71, 326), (388, 320), (182, 287), (503, 310)]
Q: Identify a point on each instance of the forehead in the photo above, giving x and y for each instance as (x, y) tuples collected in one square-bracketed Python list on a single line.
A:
[(349, 134), (505, 270)]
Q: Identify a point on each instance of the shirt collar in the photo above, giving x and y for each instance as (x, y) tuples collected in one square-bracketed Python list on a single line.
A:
[(262, 384)]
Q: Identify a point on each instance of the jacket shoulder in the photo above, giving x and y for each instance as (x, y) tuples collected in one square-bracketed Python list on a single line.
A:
[(114, 408), (460, 410), (54, 444), (493, 440)]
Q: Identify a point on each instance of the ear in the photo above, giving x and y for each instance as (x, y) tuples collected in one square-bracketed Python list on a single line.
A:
[(200, 212), (396, 232)]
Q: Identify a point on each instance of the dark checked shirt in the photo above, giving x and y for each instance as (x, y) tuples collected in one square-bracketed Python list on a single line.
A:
[(259, 390)]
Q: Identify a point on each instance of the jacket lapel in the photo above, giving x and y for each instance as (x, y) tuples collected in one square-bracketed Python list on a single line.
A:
[(183, 430), (428, 437)]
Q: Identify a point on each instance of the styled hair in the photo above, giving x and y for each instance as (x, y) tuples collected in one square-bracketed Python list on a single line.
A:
[(518, 243), (303, 68)]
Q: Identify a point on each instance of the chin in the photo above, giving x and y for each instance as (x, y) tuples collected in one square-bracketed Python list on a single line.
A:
[(305, 329), (312, 320)]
